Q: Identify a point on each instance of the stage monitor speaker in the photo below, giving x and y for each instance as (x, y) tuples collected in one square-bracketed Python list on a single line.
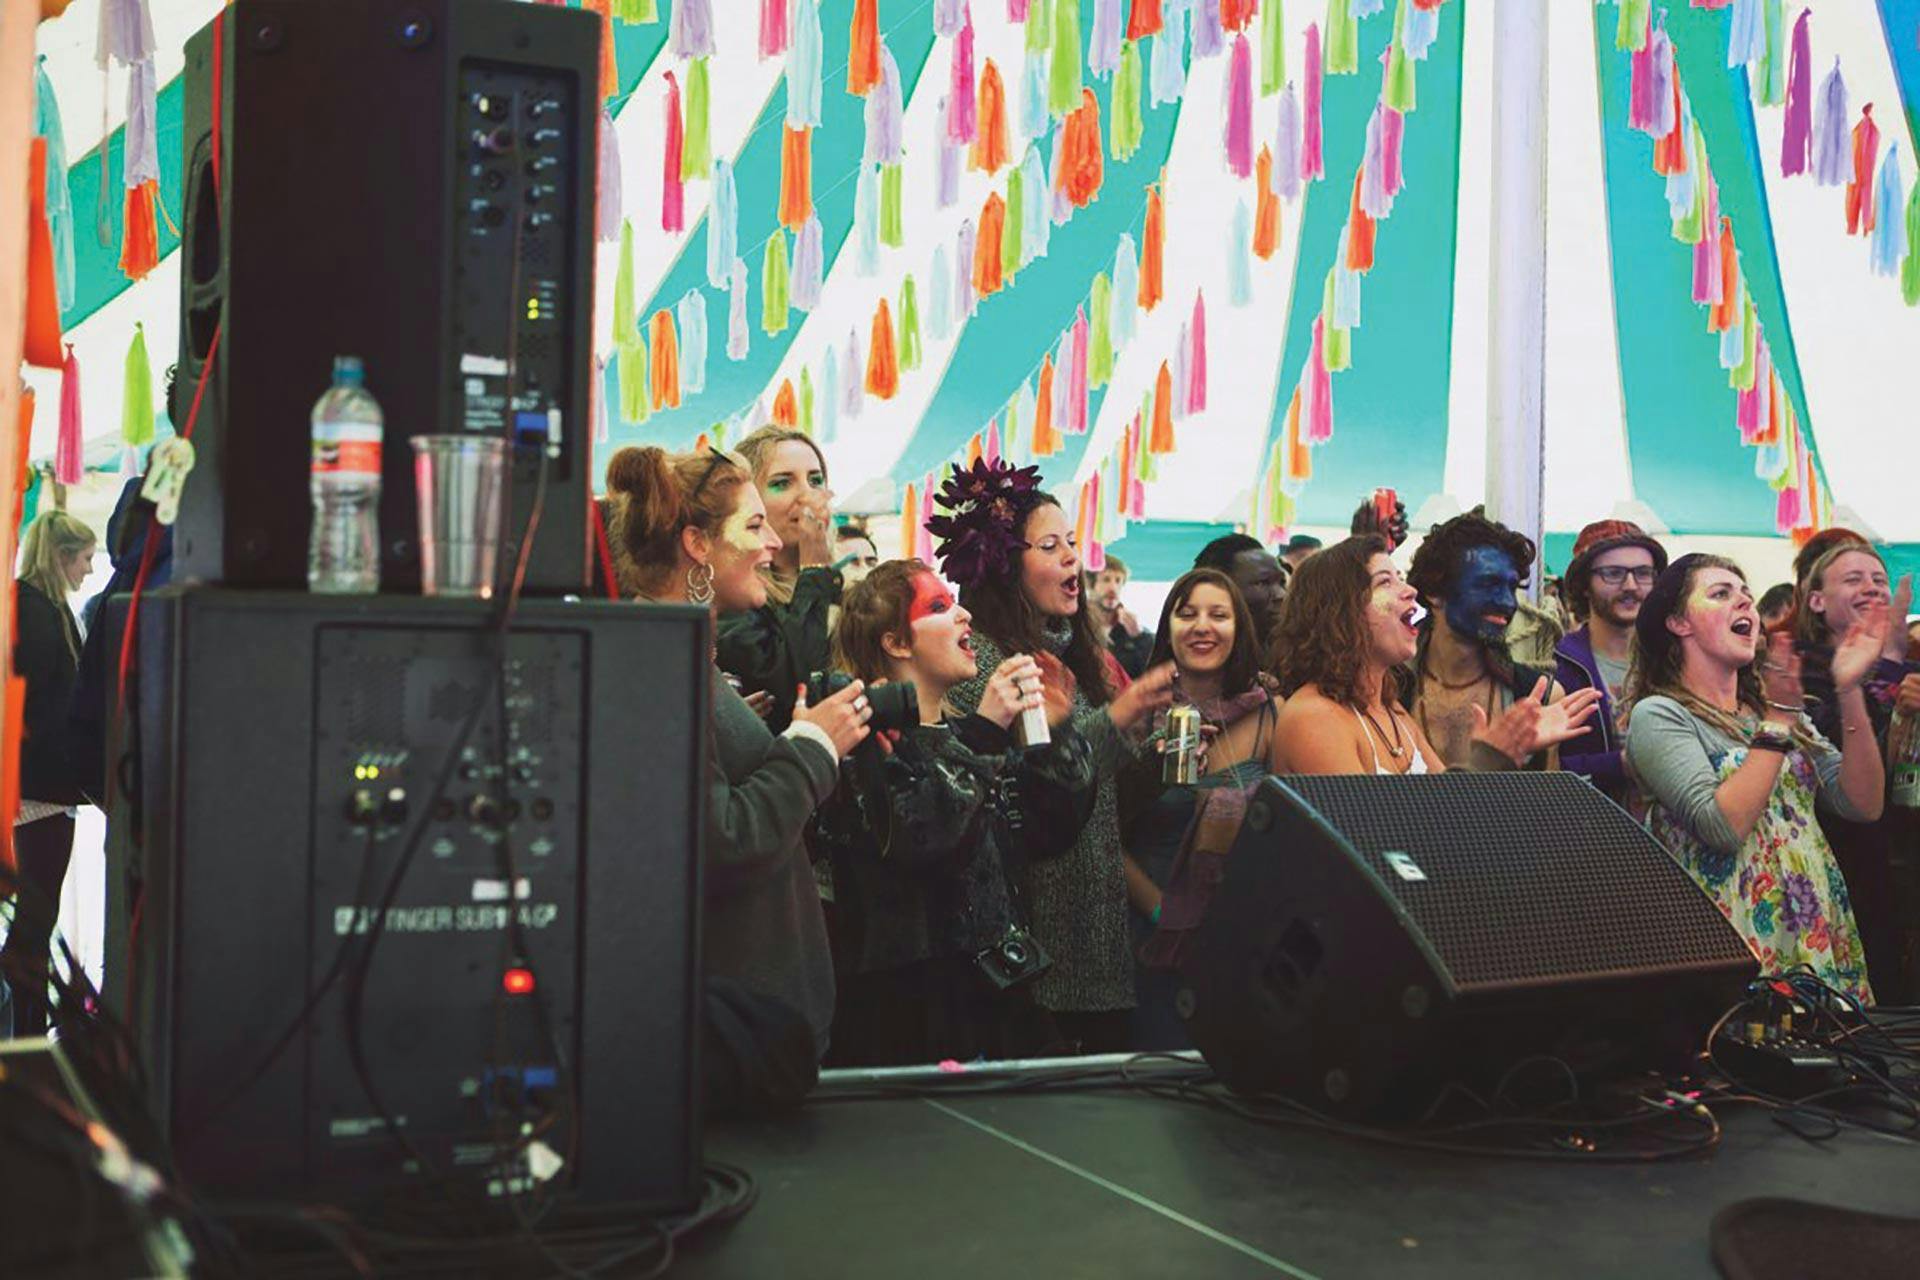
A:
[(289, 748), (1375, 938), (411, 182)]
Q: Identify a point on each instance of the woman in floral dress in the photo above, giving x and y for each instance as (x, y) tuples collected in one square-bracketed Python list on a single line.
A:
[(1734, 769)]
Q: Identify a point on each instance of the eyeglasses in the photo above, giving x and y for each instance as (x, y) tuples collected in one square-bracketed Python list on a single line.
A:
[(1615, 574)]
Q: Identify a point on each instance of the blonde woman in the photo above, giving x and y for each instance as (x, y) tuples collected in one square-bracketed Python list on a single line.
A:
[(56, 558)]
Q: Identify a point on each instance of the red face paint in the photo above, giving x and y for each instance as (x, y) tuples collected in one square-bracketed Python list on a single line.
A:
[(930, 595)]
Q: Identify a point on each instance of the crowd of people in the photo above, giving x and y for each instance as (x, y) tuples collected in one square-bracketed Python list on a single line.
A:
[(990, 864)]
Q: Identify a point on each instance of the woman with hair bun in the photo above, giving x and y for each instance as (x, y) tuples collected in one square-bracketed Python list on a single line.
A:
[(691, 529)]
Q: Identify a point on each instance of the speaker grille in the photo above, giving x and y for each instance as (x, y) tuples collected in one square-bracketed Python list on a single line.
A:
[(1521, 878)]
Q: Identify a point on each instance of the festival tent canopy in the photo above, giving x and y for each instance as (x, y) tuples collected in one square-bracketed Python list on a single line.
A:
[(1206, 262)]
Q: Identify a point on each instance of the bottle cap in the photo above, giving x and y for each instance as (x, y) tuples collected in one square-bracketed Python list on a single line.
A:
[(348, 370)]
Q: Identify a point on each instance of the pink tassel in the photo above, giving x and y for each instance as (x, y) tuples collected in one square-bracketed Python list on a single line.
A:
[(1240, 109), (1313, 164), (962, 117), (1197, 362), (1319, 388), (773, 28), (69, 468), (1077, 376), (1706, 251), (1796, 142), (1393, 127), (1641, 88), (1663, 75), (993, 443), (673, 217), (923, 536)]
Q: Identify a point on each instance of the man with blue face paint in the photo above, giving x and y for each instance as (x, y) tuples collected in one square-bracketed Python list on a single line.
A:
[(1468, 573)]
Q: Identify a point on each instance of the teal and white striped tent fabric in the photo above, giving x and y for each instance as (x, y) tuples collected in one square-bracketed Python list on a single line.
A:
[(1640, 413)]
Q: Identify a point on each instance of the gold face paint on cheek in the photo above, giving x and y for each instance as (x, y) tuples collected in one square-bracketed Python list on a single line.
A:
[(736, 535)]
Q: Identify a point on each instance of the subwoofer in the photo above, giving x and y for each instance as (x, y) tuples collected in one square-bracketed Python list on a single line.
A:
[(1375, 938)]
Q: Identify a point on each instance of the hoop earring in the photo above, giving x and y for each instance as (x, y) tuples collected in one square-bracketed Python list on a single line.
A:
[(700, 584)]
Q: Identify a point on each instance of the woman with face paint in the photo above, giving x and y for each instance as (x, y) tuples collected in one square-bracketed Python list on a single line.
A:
[(1013, 552), (773, 647), (927, 851), (1349, 622), (1847, 587), (1721, 744), (691, 529), (1177, 837)]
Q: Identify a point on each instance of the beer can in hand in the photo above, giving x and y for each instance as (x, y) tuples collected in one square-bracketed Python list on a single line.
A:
[(1180, 765)]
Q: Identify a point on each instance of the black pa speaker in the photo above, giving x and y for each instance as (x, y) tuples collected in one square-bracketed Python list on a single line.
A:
[(411, 182), (1377, 937)]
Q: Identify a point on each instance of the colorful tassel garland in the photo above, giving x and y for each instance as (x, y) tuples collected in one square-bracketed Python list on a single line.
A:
[(1319, 388), (625, 321), (1285, 182), (786, 406), (692, 310), (1265, 235), (909, 325), (1077, 375), (1240, 254), (1036, 221), (59, 195), (803, 66), (1127, 126), (1039, 30), (690, 30), (1082, 167), (1238, 135), (1313, 165), (773, 28), (886, 141), (1423, 28), (827, 425), (947, 180), (140, 233), (961, 118), (1796, 139), (602, 424), (673, 216), (893, 232), (866, 221), (1771, 82), (1831, 161), (853, 383), (1063, 64), (863, 48), (1197, 359), (136, 394), (949, 16), (69, 463), (1046, 441), (1153, 252), (796, 176), (1910, 267), (1237, 15), (1168, 80), (696, 156), (1360, 232), (1011, 235), (1273, 47), (665, 371), (939, 296), (774, 275), (1889, 244), (910, 517), (1209, 36), (1126, 289), (965, 299), (986, 258), (1161, 438), (989, 154), (723, 227), (608, 192), (1100, 331), (809, 265), (807, 418), (631, 372), (1866, 145), (1034, 120), (737, 338), (1399, 93), (1144, 19), (1343, 39), (1631, 32), (1103, 45)]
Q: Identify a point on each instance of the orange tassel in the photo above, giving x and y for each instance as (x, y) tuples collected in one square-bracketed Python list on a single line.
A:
[(786, 405), (1772, 435), (665, 343), (1046, 441), (1153, 250), (609, 66), (796, 178), (863, 48), (883, 366), (1081, 161), (986, 246), (909, 521), (1299, 456), (1360, 233), (1670, 152), (1161, 441), (989, 152), (1721, 317), (1266, 208), (975, 449), (41, 341), (140, 236)]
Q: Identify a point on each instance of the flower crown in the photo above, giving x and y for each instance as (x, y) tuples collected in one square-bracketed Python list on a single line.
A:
[(988, 503)]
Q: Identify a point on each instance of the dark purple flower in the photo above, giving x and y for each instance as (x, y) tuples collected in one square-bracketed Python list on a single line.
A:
[(1800, 905), (985, 505)]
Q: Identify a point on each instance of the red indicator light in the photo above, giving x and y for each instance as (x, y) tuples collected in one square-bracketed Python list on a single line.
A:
[(518, 982)]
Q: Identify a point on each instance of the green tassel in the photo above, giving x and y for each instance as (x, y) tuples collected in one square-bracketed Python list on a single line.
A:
[(1773, 67), (624, 328), (893, 232), (806, 400), (1343, 39), (1039, 27), (719, 433), (1016, 211), (1273, 48), (1631, 34), (630, 366), (1399, 88), (1741, 379), (773, 285), (1063, 75), (136, 397), (1100, 335), (696, 155), (1910, 269), (1126, 127), (636, 11), (909, 352), (1339, 347)]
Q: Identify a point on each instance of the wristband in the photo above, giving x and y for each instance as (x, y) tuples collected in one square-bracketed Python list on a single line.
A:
[(1785, 706), (1770, 744)]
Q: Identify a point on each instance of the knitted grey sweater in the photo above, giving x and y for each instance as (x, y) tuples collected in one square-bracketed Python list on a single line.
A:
[(1078, 901)]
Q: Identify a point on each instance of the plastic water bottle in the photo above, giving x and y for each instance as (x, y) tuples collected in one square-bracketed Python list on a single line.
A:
[(343, 554), (1903, 759)]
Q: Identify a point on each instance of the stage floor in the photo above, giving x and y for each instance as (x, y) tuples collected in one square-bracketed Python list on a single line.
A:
[(1115, 1184)]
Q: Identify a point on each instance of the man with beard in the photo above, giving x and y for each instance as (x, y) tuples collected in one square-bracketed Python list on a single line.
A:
[(1614, 566), (1130, 643), (1253, 568), (1468, 573)]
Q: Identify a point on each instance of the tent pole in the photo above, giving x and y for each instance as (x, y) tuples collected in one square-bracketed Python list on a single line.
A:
[(1517, 305)]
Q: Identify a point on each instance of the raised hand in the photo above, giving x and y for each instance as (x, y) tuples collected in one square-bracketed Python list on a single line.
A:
[(844, 716), (1907, 700), (1894, 646), (809, 522), (1014, 686), (1858, 650), (1152, 692), (1531, 725)]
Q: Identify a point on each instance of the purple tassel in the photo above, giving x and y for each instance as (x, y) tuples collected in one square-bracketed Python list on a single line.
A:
[(1209, 37), (1832, 150), (608, 210), (1239, 131), (961, 109), (1663, 71), (125, 33), (809, 265), (963, 297), (947, 182), (690, 33), (1103, 45), (1796, 140), (949, 16), (1286, 147), (854, 378), (885, 142), (1374, 201), (1182, 371), (141, 159)]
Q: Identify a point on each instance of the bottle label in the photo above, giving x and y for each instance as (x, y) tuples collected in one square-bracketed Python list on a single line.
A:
[(1905, 790), (347, 451)]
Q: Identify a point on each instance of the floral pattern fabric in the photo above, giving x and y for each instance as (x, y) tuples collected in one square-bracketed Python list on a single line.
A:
[(1782, 890)]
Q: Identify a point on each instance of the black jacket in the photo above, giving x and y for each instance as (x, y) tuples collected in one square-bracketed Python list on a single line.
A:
[(776, 647), (46, 657), (967, 810)]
